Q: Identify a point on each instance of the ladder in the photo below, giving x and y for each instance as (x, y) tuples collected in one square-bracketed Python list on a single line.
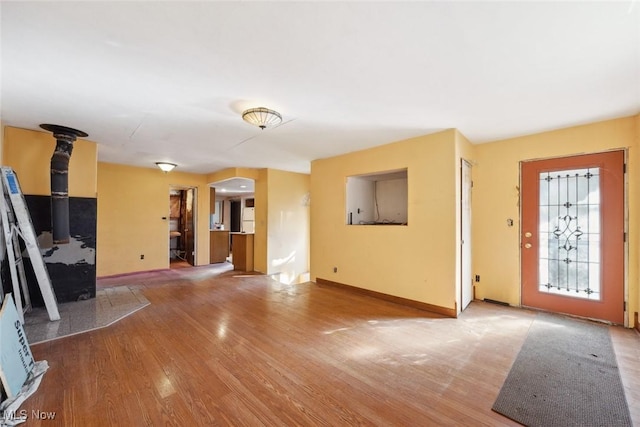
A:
[(16, 222)]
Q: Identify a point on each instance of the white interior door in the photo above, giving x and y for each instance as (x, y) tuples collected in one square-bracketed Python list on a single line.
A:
[(465, 228)]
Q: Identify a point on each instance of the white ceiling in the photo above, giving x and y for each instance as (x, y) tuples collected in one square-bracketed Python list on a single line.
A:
[(167, 81), (234, 187)]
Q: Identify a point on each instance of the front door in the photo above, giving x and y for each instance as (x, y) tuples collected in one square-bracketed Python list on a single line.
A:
[(572, 242)]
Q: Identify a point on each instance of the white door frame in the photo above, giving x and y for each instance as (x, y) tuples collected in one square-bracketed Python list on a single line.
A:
[(466, 284), (195, 222)]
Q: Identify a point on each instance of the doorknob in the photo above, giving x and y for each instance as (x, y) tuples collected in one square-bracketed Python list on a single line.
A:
[(527, 245), (527, 234)]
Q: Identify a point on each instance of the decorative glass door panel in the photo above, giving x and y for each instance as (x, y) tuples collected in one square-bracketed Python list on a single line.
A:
[(569, 233), (573, 235)]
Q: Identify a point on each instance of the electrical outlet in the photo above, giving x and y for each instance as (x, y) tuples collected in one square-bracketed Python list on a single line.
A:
[(335, 269), (141, 256), (477, 278)]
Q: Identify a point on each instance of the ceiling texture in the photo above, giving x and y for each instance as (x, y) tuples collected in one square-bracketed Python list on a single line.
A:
[(168, 81)]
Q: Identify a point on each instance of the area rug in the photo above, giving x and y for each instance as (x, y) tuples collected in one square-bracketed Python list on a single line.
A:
[(565, 375)]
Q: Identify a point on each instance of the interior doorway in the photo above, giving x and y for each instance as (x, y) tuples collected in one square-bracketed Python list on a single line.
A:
[(236, 215), (572, 242), (235, 222), (182, 227)]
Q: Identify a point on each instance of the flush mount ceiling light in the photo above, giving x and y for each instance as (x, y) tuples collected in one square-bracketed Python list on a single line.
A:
[(165, 166), (262, 117)]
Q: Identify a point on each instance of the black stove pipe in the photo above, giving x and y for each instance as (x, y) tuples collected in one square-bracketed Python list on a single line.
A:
[(65, 137)]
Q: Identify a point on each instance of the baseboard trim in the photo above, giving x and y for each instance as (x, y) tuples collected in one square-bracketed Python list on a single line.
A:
[(448, 312), (132, 273)]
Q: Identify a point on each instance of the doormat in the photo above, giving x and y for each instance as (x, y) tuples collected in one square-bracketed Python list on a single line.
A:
[(565, 375)]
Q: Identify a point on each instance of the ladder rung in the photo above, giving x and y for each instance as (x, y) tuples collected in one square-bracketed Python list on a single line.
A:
[(16, 224)]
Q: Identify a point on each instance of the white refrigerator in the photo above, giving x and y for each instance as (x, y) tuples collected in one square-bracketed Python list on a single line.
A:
[(248, 220)]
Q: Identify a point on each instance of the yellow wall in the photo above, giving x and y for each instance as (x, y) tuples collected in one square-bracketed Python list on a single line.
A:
[(496, 195), (1, 141), (634, 221), (29, 153), (131, 204), (260, 251), (233, 173), (417, 261), (288, 225)]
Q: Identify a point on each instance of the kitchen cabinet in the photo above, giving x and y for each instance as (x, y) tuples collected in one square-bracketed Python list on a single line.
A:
[(218, 246), (242, 250)]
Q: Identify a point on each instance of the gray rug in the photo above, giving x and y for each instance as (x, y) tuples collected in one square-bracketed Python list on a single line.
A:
[(565, 375)]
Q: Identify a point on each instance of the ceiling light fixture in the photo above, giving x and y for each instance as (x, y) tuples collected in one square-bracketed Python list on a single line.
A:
[(262, 117), (165, 166)]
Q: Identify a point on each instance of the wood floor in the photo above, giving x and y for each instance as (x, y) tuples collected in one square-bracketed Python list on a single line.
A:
[(214, 349), (179, 263)]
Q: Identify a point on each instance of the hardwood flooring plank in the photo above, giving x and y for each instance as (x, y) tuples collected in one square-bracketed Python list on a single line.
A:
[(214, 349)]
